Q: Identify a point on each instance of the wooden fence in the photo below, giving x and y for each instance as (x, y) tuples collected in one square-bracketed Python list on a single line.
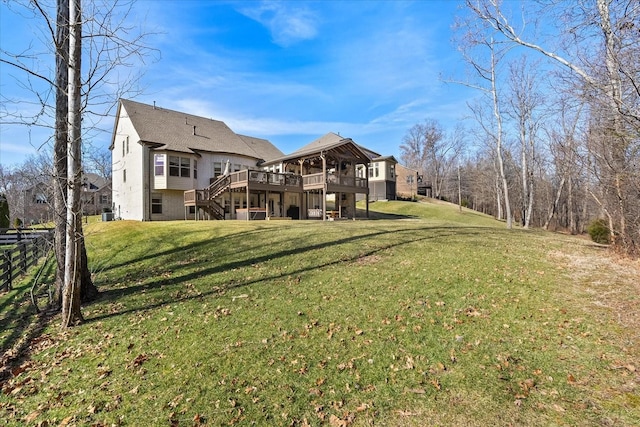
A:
[(19, 250)]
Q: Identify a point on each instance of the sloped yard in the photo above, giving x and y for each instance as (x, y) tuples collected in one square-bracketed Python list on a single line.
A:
[(426, 317)]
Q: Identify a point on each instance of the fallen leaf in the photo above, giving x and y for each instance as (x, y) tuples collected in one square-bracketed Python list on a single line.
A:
[(32, 416), (66, 421)]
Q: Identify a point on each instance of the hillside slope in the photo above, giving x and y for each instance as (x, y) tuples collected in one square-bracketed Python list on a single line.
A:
[(434, 317)]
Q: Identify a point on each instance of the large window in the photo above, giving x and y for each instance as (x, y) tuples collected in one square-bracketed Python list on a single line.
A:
[(179, 166), (374, 170), (159, 164), (156, 203)]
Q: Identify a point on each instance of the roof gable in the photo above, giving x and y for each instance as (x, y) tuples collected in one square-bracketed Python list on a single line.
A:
[(331, 144)]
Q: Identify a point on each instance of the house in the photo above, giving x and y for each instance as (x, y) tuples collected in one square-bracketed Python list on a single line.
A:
[(95, 195), (407, 182), (170, 165), (38, 204), (382, 177)]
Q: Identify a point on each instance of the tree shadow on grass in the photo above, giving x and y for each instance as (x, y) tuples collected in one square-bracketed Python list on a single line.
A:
[(374, 215), (26, 325), (169, 297)]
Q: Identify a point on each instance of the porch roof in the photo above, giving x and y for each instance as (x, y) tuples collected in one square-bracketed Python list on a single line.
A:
[(331, 145)]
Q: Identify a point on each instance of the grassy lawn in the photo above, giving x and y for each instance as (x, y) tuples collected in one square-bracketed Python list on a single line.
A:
[(425, 316)]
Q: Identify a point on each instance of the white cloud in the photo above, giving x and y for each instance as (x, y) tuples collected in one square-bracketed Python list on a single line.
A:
[(288, 22)]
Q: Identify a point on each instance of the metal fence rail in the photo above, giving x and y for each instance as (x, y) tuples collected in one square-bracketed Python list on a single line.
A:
[(19, 250)]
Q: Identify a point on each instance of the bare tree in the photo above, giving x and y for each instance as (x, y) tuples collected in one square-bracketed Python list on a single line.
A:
[(428, 148), (71, 313), (524, 100), (608, 30), (89, 97)]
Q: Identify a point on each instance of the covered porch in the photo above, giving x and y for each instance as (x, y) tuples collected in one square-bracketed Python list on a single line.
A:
[(330, 177)]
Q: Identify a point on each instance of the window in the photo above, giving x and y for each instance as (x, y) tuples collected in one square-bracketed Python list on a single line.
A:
[(104, 199), (156, 203), (392, 171), (376, 170), (179, 166), (123, 148), (185, 167), (360, 171), (195, 169), (174, 166), (237, 167), (127, 144), (158, 160), (124, 175), (217, 168), (40, 199), (370, 171)]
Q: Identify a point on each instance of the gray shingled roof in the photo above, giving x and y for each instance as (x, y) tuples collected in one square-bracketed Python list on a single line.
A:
[(328, 142), (321, 143), (265, 149), (182, 132)]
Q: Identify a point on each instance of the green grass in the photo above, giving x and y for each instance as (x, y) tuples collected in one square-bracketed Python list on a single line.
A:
[(429, 316)]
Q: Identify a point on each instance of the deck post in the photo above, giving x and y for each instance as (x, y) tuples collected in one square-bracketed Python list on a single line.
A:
[(248, 199), (324, 186)]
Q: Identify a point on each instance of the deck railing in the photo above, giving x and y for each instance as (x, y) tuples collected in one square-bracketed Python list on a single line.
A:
[(333, 178)]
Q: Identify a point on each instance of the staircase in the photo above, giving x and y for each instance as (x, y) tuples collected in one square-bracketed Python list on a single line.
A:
[(215, 189)]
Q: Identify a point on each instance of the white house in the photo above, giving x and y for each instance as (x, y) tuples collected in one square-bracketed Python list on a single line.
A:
[(158, 154), (171, 165)]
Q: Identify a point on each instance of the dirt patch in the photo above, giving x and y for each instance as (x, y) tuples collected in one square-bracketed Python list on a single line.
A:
[(612, 282), (368, 260)]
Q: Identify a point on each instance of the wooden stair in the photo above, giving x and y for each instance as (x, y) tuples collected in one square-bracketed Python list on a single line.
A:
[(215, 189)]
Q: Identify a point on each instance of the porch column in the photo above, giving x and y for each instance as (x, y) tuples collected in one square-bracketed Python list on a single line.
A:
[(366, 168), (324, 187), (248, 199)]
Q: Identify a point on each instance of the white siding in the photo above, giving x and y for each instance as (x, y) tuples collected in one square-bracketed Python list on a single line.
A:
[(127, 195)]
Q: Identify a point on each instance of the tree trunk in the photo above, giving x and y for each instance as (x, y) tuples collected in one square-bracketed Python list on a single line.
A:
[(88, 290), (499, 155), (71, 313), (60, 145)]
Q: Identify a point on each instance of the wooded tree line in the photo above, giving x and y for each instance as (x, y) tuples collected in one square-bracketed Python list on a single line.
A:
[(555, 133)]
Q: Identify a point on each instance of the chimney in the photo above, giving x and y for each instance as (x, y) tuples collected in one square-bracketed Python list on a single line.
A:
[(154, 105)]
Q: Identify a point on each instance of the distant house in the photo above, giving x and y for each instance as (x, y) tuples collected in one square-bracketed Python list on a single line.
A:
[(38, 204), (169, 165), (95, 195), (407, 182), (382, 177)]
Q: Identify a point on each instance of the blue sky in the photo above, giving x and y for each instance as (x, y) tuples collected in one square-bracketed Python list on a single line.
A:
[(287, 71)]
